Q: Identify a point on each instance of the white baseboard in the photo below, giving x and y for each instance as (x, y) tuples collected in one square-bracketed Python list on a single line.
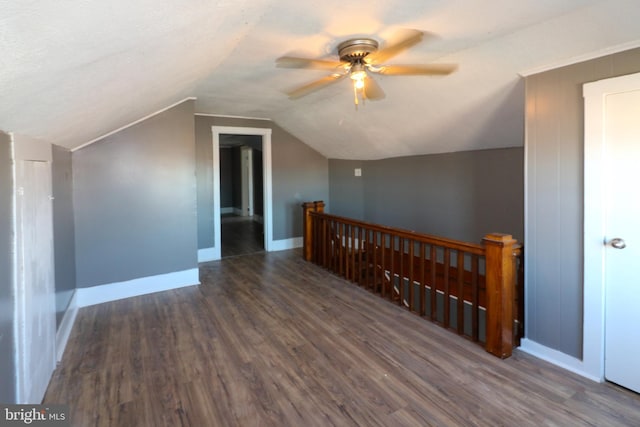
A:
[(226, 210), (131, 288), (557, 358), (206, 254), (66, 325), (284, 244)]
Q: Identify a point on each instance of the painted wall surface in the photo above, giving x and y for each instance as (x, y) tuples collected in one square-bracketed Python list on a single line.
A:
[(299, 174), (346, 191), (226, 178), (135, 201), (461, 195), (7, 312), (554, 193), (63, 229)]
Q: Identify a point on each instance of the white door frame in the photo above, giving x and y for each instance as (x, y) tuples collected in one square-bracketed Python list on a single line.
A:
[(265, 133), (594, 217)]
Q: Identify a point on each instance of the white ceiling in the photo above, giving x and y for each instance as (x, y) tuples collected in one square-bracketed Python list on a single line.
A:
[(73, 70)]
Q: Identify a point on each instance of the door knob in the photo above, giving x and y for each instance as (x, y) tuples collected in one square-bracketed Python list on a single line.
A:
[(618, 243)]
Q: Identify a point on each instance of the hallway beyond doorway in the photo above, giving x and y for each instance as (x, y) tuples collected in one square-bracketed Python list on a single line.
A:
[(241, 235)]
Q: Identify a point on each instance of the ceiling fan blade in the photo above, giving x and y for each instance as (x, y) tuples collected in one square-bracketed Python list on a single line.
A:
[(372, 90), (408, 38), (313, 86), (415, 70), (296, 62)]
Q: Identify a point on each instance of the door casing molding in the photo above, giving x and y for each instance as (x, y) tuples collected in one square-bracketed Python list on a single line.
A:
[(265, 133)]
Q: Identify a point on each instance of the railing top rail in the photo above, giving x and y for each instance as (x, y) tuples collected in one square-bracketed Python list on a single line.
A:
[(473, 248)]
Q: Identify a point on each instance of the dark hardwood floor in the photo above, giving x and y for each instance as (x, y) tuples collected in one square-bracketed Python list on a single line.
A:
[(240, 236), (270, 340)]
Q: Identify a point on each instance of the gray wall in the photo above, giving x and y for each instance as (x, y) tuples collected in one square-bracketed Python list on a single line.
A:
[(63, 229), (299, 174), (462, 195), (554, 192), (135, 201), (226, 177), (7, 314), (346, 191)]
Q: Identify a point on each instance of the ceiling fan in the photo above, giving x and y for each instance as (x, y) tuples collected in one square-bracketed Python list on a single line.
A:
[(357, 58)]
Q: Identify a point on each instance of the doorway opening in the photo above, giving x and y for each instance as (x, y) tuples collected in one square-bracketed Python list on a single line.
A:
[(241, 195), (242, 202)]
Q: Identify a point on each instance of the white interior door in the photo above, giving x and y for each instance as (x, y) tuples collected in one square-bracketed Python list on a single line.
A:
[(36, 309), (622, 238)]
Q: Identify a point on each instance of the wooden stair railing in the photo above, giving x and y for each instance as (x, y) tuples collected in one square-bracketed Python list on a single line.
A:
[(446, 281)]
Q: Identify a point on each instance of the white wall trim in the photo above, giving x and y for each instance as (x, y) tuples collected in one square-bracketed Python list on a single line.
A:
[(594, 217), (191, 98), (66, 325), (206, 254), (267, 182), (557, 358), (582, 58), (227, 210), (285, 244), (230, 117), (132, 288)]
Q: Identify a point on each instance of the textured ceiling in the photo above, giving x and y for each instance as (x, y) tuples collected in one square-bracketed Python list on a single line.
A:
[(73, 70)]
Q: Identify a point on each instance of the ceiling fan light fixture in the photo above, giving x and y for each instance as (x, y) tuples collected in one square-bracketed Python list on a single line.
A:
[(358, 58)]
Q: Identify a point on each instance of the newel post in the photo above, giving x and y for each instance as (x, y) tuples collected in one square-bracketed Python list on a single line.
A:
[(307, 227), (500, 283)]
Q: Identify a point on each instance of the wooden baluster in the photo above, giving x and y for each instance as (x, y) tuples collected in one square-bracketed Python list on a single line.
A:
[(325, 242), (412, 305), (392, 266), (316, 239), (433, 264), (339, 237), (445, 287), (347, 251), (376, 257), (460, 290), (500, 282), (356, 250), (401, 273), (383, 265), (475, 303), (367, 254), (359, 261), (332, 246), (423, 289)]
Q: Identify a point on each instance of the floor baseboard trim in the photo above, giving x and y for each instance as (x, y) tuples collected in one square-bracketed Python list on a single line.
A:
[(206, 254), (132, 288), (557, 358), (66, 325), (285, 244)]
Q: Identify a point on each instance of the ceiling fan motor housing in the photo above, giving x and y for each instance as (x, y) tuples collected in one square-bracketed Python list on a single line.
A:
[(354, 50)]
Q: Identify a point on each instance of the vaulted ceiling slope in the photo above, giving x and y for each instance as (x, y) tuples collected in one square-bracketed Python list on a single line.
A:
[(73, 70)]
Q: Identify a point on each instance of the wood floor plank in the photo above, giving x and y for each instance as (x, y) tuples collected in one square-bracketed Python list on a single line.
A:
[(271, 340)]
